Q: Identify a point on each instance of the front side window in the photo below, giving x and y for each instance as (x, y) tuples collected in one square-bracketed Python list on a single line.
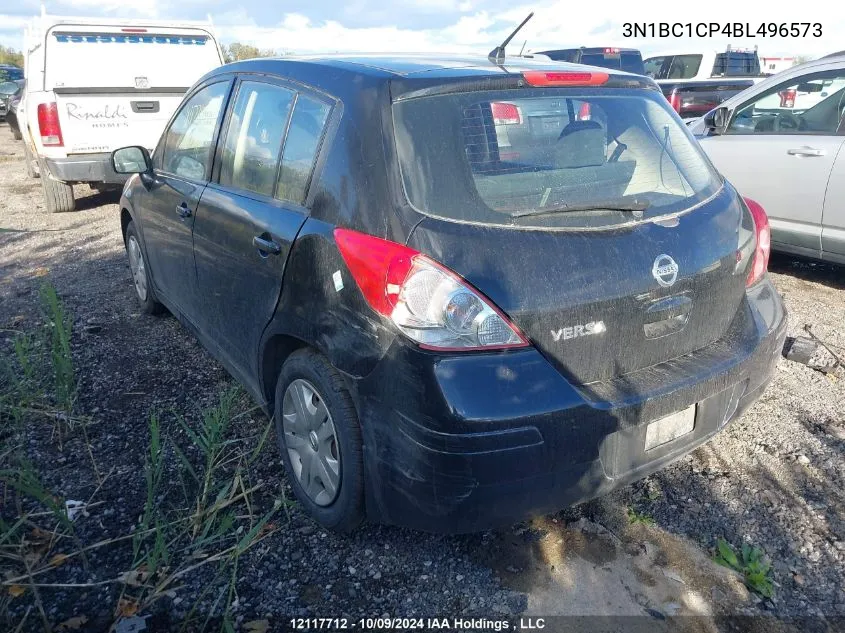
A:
[(250, 158), (303, 141), (812, 104), (188, 142), (563, 158)]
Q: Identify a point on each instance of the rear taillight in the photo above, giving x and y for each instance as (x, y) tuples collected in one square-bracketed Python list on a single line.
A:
[(428, 302), (505, 113), (763, 246), (787, 98), (584, 111), (48, 125), (675, 100)]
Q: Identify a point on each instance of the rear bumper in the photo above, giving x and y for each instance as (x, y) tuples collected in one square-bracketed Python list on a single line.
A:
[(470, 443), (85, 168)]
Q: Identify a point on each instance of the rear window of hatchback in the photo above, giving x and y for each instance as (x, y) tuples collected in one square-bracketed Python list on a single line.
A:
[(549, 158)]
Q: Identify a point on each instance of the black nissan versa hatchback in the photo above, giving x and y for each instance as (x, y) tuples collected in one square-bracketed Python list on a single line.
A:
[(448, 337)]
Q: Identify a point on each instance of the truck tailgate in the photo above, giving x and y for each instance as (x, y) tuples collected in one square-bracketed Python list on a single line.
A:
[(94, 122)]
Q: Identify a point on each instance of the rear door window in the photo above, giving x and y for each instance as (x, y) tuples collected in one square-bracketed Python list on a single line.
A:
[(307, 126), (250, 157), (549, 158)]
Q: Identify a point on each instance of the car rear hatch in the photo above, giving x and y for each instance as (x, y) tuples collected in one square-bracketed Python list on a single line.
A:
[(613, 245)]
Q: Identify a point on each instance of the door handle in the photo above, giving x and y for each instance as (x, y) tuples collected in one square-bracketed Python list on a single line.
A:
[(266, 246), (183, 210), (805, 151)]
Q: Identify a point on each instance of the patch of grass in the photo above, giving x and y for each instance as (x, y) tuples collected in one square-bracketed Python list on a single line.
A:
[(222, 523), (635, 517), (201, 506), (751, 562)]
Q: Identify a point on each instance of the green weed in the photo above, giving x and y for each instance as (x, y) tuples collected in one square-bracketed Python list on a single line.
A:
[(751, 562), (635, 517)]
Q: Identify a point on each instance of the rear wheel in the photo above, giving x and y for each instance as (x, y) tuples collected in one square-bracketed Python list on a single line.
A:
[(58, 195), (320, 441), (140, 273), (16, 134)]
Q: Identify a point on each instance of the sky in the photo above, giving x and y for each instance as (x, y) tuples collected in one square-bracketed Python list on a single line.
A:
[(457, 26)]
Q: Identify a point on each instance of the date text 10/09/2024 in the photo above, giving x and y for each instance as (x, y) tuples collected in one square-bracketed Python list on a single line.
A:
[(418, 624), (723, 29)]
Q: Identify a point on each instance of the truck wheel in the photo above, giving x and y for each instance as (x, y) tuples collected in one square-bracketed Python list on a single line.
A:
[(320, 441), (30, 169), (58, 195), (16, 134)]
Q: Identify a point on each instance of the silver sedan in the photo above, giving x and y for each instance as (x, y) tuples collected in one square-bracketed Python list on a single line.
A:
[(780, 143)]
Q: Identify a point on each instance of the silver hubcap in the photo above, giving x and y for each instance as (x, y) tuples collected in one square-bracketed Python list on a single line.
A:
[(311, 442), (136, 265)]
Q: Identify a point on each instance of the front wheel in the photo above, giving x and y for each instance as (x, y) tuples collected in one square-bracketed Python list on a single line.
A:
[(30, 167), (140, 273), (320, 441)]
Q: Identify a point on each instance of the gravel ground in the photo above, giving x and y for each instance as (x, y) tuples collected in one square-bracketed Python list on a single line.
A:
[(775, 478)]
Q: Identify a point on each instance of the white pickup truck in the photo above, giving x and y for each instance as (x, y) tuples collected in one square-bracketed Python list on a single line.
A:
[(97, 85)]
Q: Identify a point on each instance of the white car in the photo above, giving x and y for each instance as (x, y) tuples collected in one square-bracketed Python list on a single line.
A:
[(780, 143), (96, 85)]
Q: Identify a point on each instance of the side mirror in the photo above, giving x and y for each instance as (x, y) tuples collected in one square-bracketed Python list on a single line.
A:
[(716, 120), (131, 160)]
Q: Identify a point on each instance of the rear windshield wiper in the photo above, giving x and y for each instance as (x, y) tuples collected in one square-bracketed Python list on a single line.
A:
[(619, 204)]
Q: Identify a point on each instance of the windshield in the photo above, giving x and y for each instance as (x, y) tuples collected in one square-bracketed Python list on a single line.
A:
[(549, 157), (146, 60)]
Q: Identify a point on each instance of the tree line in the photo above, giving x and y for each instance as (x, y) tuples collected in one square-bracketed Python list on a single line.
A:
[(9, 55)]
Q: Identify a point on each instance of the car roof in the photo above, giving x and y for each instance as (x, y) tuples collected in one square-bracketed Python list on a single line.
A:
[(404, 65)]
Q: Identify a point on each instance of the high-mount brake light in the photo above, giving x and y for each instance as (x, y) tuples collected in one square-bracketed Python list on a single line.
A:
[(133, 30), (568, 78), (763, 244), (611, 51), (429, 303)]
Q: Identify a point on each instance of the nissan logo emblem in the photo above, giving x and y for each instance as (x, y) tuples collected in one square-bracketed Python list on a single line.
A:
[(665, 270)]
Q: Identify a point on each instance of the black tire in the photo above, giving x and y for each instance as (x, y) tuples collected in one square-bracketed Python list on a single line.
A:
[(58, 195), (16, 134), (148, 300), (346, 511), (30, 168)]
